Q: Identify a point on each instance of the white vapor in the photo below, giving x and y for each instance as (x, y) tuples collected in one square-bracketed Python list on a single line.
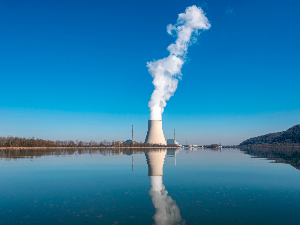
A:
[(167, 71)]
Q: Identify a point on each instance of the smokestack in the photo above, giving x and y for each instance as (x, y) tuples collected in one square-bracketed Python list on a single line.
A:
[(132, 134), (155, 133), (174, 134)]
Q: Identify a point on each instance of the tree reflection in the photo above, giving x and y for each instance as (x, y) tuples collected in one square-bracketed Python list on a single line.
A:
[(285, 155)]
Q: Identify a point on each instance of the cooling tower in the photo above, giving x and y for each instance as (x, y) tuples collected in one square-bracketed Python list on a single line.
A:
[(155, 133), (155, 161)]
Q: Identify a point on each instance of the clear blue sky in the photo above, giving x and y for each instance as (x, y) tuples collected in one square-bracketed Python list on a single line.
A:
[(77, 69)]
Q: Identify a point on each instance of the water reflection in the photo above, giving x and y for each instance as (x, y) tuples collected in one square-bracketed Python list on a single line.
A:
[(86, 186), (166, 209), (36, 153), (280, 155)]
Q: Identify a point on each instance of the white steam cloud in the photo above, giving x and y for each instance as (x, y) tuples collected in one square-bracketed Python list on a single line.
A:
[(167, 71)]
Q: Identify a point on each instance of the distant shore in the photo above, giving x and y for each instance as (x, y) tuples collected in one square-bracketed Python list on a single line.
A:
[(268, 146), (107, 147)]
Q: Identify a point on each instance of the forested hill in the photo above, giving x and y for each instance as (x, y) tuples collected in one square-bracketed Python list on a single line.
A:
[(288, 137)]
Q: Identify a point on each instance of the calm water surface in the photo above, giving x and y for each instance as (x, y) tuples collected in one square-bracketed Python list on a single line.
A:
[(103, 186)]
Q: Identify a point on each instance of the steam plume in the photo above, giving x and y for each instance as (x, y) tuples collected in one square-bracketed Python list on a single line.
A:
[(167, 71)]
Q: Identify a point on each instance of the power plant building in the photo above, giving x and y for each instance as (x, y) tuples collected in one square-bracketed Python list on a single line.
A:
[(172, 141)]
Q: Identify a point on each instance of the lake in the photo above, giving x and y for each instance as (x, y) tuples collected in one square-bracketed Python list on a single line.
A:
[(144, 186)]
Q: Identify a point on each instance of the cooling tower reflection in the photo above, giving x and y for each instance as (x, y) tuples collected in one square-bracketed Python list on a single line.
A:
[(166, 209)]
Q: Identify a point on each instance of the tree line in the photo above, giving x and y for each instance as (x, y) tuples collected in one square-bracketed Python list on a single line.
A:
[(36, 142)]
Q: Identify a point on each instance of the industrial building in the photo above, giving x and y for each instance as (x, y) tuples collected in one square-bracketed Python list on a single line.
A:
[(172, 141)]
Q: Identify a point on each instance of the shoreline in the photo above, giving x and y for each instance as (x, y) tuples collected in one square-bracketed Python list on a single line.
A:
[(109, 147)]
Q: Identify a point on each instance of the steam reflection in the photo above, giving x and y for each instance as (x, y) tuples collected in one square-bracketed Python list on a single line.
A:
[(166, 209)]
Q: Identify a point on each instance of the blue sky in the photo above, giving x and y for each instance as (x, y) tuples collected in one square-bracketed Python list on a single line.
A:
[(77, 69)]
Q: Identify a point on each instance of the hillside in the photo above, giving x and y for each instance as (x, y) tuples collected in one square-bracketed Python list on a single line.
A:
[(288, 137)]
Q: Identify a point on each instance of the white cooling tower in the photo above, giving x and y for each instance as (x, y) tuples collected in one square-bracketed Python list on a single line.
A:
[(155, 134)]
